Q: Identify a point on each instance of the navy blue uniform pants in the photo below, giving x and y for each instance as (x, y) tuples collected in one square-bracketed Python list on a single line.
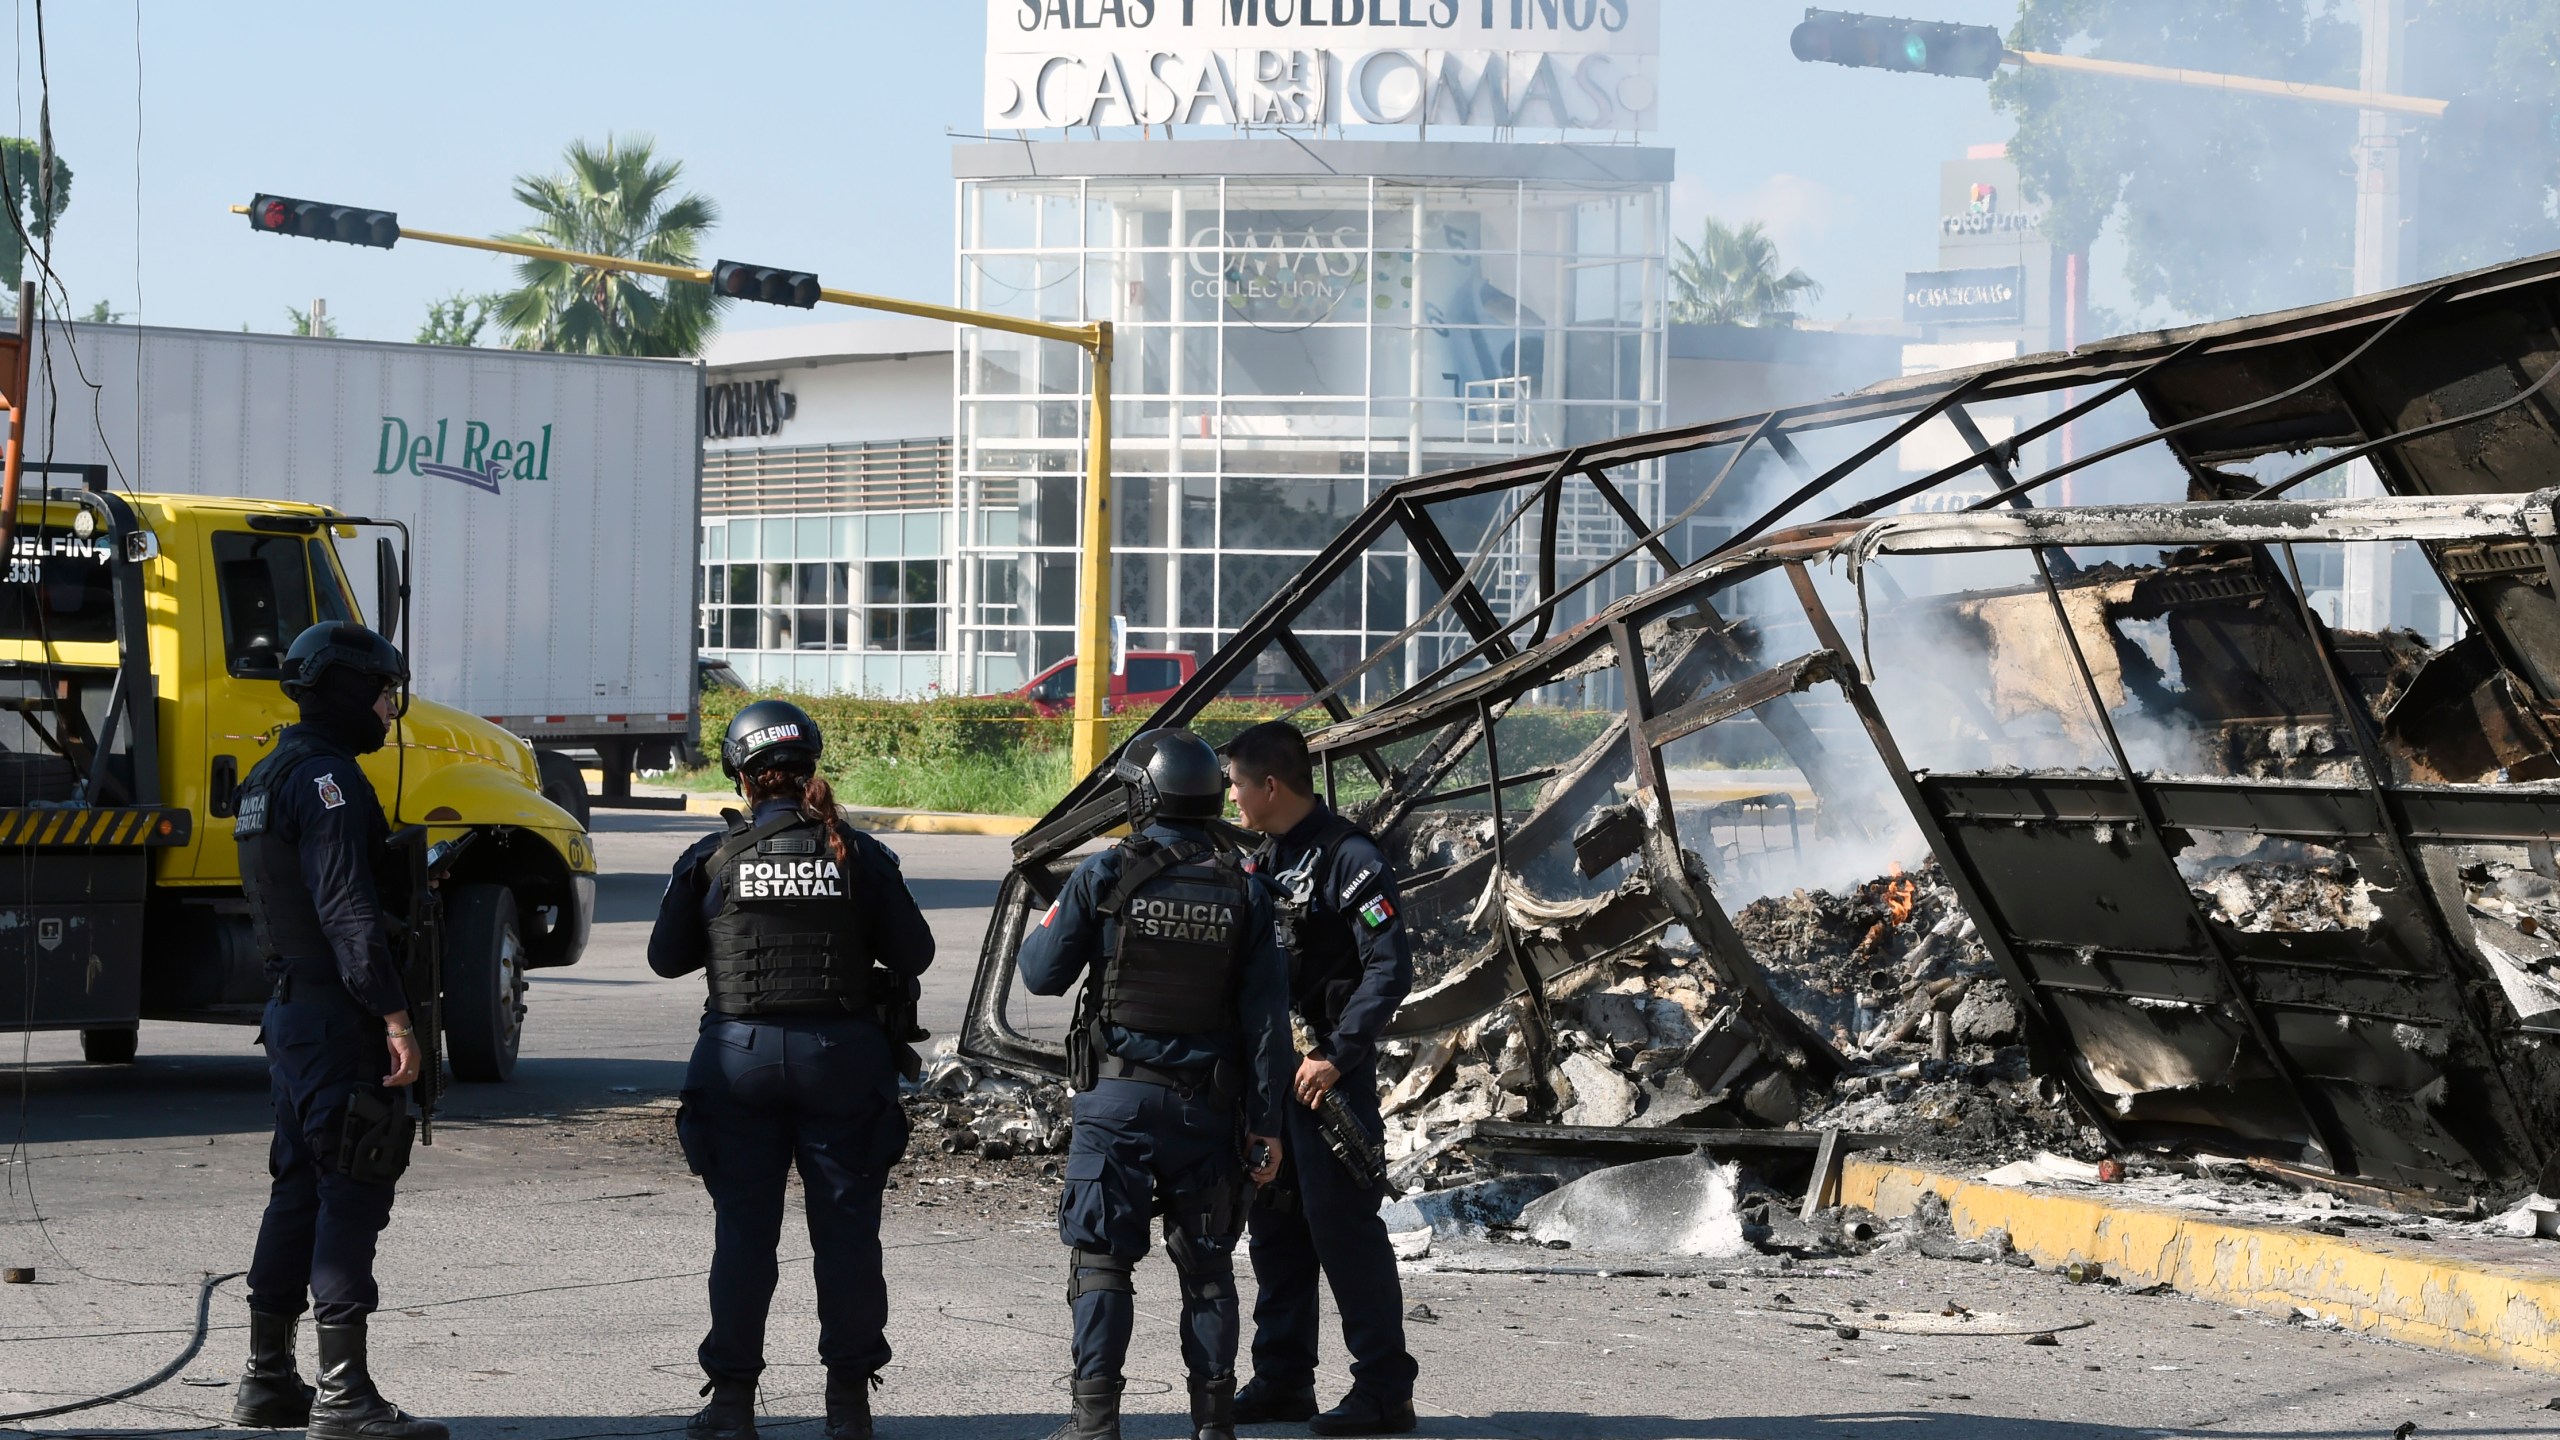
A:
[(763, 1095), (1333, 1229), (1142, 1150), (315, 1246)]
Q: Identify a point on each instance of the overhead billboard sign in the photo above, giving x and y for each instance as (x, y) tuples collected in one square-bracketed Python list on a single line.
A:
[(1988, 296), (1534, 64)]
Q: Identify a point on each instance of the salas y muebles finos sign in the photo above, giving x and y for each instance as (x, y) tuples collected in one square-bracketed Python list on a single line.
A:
[(1541, 64)]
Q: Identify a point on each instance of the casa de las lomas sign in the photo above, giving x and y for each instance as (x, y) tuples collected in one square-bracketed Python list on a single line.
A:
[(1533, 64)]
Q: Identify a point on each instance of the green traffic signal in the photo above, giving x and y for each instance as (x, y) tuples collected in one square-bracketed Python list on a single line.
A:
[(1878, 42)]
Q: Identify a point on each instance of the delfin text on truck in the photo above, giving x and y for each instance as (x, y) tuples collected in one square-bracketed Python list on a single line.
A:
[(141, 641)]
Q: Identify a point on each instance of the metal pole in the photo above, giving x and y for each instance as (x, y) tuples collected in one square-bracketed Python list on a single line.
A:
[(2375, 96), (1093, 616), (2365, 599), (1093, 626)]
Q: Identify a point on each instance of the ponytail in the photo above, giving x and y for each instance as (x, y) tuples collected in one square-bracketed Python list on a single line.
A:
[(809, 793)]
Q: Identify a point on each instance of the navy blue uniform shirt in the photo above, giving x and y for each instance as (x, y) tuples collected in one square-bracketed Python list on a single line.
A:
[(900, 940), (1360, 890), (1074, 937), (326, 809)]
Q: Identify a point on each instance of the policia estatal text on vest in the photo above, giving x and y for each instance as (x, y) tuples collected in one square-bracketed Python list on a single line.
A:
[(812, 945), (1179, 1058), (1350, 966)]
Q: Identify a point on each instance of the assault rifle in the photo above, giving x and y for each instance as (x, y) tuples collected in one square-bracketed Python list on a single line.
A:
[(420, 945)]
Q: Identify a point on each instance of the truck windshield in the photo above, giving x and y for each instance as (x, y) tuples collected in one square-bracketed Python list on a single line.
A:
[(60, 588), (268, 596)]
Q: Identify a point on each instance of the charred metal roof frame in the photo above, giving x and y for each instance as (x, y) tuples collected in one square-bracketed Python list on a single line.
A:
[(2407, 1047)]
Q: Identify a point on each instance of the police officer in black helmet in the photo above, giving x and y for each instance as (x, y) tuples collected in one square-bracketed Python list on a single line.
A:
[(812, 945), (312, 844), (1181, 1050)]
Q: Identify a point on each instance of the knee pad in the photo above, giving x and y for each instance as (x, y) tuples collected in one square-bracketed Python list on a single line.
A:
[(1207, 1271), (1093, 1270)]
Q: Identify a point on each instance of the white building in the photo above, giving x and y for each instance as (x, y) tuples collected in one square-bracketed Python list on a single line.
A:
[(827, 505)]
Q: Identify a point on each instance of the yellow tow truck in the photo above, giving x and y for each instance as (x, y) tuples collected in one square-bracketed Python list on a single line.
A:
[(141, 637)]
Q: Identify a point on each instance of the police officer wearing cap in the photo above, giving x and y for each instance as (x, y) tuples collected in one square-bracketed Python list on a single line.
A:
[(313, 846), (812, 946), (1180, 1053), (1350, 966)]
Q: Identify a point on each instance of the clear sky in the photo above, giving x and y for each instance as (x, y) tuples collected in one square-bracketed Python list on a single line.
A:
[(822, 130)]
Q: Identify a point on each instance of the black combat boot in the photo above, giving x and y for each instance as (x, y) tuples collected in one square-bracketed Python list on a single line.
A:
[(346, 1406), (272, 1395), (1213, 1408), (1263, 1400), (731, 1415), (849, 1405), (1097, 1415)]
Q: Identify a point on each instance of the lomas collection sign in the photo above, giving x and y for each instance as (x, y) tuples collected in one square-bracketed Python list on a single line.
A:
[(1541, 64)]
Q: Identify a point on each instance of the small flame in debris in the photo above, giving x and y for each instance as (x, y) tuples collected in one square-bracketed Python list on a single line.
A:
[(1899, 893)]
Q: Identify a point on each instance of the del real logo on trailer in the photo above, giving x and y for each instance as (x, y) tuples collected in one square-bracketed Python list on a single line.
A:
[(486, 458)]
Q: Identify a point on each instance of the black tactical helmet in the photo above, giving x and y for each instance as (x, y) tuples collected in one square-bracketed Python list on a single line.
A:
[(339, 645), (1172, 774), (769, 734)]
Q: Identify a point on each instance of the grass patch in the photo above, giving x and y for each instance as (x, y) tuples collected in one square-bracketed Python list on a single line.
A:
[(1018, 781)]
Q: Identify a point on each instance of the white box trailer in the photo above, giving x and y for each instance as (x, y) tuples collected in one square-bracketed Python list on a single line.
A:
[(554, 503)]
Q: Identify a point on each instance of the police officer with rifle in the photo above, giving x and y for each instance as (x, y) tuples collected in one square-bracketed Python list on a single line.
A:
[(812, 945), (1179, 1060), (1350, 966), (341, 1049)]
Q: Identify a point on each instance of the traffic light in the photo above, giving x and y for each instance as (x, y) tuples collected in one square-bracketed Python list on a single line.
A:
[(319, 220), (741, 281), (1923, 47)]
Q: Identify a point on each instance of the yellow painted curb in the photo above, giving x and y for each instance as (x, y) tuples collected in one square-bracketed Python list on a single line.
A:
[(2447, 1294)]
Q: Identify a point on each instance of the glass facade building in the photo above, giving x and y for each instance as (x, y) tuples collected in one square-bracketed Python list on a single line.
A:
[(1297, 325)]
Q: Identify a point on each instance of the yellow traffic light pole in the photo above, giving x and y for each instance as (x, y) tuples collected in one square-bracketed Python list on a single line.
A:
[(1093, 610), (2417, 105)]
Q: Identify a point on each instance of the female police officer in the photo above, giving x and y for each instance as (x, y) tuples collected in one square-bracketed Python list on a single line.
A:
[(789, 909)]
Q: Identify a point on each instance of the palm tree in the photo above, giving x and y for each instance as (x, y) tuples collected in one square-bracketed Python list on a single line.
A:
[(1731, 277), (619, 200)]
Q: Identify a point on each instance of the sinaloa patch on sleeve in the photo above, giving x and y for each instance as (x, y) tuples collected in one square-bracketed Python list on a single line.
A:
[(330, 794)]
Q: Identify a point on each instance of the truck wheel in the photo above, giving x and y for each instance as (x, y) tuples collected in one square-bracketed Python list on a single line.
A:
[(562, 783), (109, 1047), (483, 982)]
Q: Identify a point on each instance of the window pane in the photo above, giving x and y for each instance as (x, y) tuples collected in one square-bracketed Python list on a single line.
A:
[(742, 540), (839, 583), (882, 533), (883, 586), (813, 539), (839, 627), (810, 586), (924, 534), (330, 600), (777, 539), (742, 584), (715, 628), (809, 628), (923, 629), (266, 599), (922, 578), (715, 542), (882, 631)]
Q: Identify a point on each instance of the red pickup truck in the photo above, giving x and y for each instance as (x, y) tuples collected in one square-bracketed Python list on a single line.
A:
[(1151, 679)]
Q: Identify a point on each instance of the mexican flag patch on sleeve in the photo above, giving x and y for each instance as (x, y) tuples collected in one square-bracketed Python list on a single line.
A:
[(1377, 912)]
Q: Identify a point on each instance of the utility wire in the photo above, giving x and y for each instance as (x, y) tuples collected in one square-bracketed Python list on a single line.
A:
[(195, 1343)]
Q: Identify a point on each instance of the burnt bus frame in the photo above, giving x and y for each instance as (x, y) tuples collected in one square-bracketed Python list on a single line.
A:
[(2371, 378)]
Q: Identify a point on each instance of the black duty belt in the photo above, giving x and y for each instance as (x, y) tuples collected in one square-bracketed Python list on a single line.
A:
[(1187, 1082)]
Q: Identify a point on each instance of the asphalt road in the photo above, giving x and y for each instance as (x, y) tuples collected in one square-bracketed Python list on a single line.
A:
[(543, 1275)]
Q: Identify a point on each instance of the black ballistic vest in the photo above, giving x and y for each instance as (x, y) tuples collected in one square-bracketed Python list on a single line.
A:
[(1179, 962), (1315, 930), (281, 911), (789, 939)]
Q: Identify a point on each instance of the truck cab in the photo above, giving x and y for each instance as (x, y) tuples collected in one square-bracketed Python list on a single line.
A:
[(141, 646)]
